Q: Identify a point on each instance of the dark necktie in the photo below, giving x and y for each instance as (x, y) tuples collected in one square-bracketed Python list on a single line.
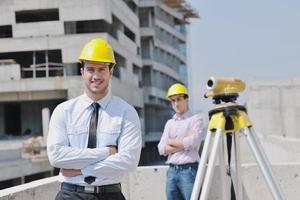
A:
[(93, 126), (93, 135)]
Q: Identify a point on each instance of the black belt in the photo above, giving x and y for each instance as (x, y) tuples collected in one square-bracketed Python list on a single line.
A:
[(92, 189), (184, 166)]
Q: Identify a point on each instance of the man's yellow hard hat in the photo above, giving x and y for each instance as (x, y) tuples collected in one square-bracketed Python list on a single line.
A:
[(97, 50), (176, 89)]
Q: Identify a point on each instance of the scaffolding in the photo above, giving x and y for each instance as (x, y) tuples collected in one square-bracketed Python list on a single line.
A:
[(183, 7)]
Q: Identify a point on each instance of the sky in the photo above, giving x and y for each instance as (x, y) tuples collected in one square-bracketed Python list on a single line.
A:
[(249, 39)]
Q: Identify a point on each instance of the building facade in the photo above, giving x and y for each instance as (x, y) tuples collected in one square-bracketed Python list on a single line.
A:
[(44, 38), (40, 41), (163, 44)]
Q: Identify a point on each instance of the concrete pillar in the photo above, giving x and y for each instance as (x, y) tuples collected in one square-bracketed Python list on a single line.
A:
[(2, 123), (150, 19), (45, 122)]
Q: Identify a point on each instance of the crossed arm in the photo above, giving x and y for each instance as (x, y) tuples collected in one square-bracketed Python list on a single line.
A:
[(169, 145), (77, 172), (173, 146), (112, 160)]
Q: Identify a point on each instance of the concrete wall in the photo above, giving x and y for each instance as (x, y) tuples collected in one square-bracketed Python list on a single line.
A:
[(148, 183), (128, 91), (274, 107), (69, 10), (287, 175), (11, 71), (278, 149), (15, 164), (11, 169), (6, 12), (38, 29), (10, 150), (36, 190)]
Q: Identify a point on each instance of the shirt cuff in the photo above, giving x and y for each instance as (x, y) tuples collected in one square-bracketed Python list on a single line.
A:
[(161, 150), (186, 143)]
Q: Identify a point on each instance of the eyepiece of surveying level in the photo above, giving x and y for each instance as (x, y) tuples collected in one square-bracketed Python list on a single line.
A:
[(224, 85)]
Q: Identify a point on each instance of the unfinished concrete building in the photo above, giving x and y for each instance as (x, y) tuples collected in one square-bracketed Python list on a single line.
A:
[(44, 39), (40, 41), (163, 44)]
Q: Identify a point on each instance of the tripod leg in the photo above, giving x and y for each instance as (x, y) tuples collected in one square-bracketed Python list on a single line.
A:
[(237, 156), (263, 164), (223, 175), (201, 167), (211, 164)]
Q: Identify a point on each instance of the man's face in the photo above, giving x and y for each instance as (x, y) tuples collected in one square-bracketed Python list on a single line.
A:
[(96, 77), (179, 103)]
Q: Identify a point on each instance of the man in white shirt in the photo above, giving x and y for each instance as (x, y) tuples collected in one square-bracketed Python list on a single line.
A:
[(96, 137)]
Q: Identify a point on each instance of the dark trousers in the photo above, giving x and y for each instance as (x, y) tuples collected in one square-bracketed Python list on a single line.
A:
[(72, 195)]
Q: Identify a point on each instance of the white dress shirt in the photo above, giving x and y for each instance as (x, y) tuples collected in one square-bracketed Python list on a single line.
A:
[(118, 124)]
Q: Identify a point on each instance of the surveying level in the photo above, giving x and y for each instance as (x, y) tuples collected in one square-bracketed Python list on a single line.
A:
[(231, 120), (221, 86)]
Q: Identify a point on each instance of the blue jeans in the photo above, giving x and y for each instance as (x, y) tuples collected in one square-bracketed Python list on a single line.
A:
[(180, 181)]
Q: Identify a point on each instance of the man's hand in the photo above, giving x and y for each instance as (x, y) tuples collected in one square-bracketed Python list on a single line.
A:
[(175, 143), (173, 146), (170, 149), (71, 172), (112, 149)]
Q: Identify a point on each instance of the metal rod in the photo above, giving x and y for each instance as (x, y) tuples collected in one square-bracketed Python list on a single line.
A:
[(223, 175), (201, 167), (238, 171), (34, 64), (211, 165), (264, 165), (47, 63)]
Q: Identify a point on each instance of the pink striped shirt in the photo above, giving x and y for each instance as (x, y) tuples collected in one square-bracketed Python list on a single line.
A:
[(189, 128)]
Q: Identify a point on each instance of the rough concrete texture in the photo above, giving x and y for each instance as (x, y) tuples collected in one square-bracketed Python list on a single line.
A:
[(11, 71), (148, 183), (42, 189), (274, 107), (10, 150), (14, 164), (287, 176), (278, 149)]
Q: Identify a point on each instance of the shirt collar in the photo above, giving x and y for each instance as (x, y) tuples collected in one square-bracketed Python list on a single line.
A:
[(87, 101), (181, 117)]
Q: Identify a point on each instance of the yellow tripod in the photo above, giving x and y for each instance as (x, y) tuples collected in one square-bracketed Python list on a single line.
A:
[(230, 118)]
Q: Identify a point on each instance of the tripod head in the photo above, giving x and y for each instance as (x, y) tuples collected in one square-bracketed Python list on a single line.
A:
[(231, 120), (224, 89)]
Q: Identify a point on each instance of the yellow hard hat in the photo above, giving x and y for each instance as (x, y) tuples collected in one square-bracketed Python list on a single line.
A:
[(97, 50), (176, 89)]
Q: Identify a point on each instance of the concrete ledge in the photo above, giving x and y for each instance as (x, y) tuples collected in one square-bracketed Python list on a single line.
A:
[(148, 183), (45, 189), (288, 176)]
